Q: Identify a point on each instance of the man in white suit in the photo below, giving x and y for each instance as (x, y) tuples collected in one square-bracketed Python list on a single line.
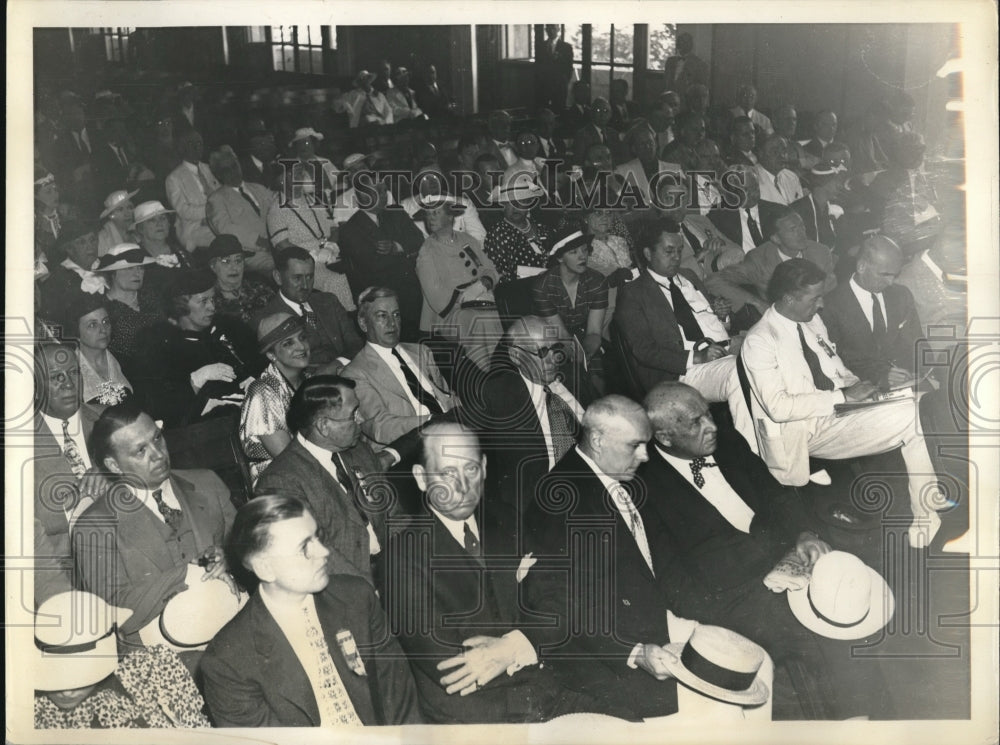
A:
[(794, 379), (188, 188), (399, 388), (240, 208), (645, 166)]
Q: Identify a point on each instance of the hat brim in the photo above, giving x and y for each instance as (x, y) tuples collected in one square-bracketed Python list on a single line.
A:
[(318, 136), (65, 672), (124, 265), (520, 195), (155, 214), (755, 695), (882, 606), (193, 617), (109, 210)]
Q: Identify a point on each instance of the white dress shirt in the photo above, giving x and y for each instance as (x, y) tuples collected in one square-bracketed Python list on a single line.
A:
[(536, 392), (716, 491), (325, 458), (386, 355), (782, 187), (509, 156), (710, 324), (865, 301)]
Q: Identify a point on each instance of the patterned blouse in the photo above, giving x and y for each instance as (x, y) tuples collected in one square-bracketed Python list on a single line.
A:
[(103, 390), (151, 688), (128, 324), (263, 413), (509, 248), (550, 299), (253, 294), (609, 254)]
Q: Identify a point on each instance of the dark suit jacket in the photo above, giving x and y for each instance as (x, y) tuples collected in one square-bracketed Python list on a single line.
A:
[(588, 134), (128, 556), (502, 412), (866, 356), (695, 72), (649, 328), (619, 122), (819, 226), (553, 70), (601, 598), (336, 334), (54, 482), (109, 173), (254, 679), (729, 221), (342, 517), (365, 267), (440, 595)]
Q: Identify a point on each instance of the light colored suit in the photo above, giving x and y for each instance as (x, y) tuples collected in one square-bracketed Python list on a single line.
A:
[(227, 211), (189, 199), (633, 171), (383, 402)]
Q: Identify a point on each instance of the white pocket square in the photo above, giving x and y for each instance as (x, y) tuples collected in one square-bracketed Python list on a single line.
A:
[(527, 562)]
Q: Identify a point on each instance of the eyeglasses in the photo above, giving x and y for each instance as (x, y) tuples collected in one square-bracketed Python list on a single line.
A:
[(543, 352), (354, 417)]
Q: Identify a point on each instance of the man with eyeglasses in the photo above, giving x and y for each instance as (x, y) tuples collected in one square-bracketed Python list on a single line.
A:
[(529, 406), (308, 649), (329, 467)]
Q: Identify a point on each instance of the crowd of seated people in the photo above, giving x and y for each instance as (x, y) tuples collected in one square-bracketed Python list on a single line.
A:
[(469, 370)]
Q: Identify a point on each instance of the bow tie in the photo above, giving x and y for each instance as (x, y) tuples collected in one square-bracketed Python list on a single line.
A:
[(696, 465)]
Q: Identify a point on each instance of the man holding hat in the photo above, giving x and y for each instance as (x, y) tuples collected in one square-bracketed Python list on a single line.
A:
[(239, 208), (117, 215), (193, 362), (188, 188), (364, 104)]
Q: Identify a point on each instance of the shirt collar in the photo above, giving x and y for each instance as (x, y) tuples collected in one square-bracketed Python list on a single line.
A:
[(384, 352), (277, 609), (457, 527), (860, 292), (297, 307), (193, 167), (320, 454), (682, 465), (661, 280), (56, 424), (608, 482)]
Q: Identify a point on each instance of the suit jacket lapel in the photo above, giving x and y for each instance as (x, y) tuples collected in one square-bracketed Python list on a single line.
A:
[(334, 617), (380, 370), (196, 511)]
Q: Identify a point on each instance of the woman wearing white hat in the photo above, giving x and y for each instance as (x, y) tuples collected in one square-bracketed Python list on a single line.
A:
[(80, 682), (303, 146), (117, 216), (152, 224), (517, 244), (131, 309), (457, 279)]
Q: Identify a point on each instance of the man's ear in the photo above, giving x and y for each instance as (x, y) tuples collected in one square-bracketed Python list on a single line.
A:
[(482, 462), (276, 276), (112, 465), (420, 476), (363, 324), (261, 566), (662, 437)]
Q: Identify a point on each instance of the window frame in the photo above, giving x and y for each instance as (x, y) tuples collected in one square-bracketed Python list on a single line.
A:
[(326, 42)]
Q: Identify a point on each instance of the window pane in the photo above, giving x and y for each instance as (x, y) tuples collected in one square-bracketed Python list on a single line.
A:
[(624, 48), (600, 43), (662, 44), (314, 34), (278, 34), (600, 79), (574, 37), (257, 34), (518, 42)]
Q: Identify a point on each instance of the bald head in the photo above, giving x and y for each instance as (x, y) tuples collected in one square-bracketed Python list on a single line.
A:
[(682, 423), (615, 432), (879, 263)]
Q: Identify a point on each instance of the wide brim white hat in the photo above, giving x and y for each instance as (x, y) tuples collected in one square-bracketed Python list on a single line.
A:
[(882, 604), (731, 643), (75, 641), (516, 190), (147, 211), (115, 199), (123, 256), (193, 617)]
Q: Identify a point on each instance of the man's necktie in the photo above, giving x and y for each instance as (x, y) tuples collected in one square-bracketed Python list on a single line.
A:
[(309, 315), (250, 200), (695, 243), (72, 452), (170, 515), (420, 393), (684, 314), (471, 542), (343, 476), (755, 234), (820, 380), (120, 152), (562, 424), (601, 136), (878, 320), (203, 181), (635, 525), (334, 704), (696, 465), (777, 187)]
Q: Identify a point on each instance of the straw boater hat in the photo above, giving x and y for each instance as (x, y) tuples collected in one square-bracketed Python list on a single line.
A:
[(305, 132), (522, 187), (845, 599), (567, 240), (75, 644), (147, 211), (275, 328), (115, 200), (123, 256), (720, 663)]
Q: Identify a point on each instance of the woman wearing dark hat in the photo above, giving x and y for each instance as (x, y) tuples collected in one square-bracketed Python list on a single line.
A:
[(101, 377), (75, 274), (263, 430), (131, 307), (575, 293), (517, 241), (457, 279), (194, 363), (238, 295)]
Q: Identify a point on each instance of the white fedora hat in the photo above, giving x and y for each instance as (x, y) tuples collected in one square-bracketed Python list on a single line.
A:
[(303, 133), (147, 211), (845, 599), (75, 641), (721, 664), (115, 199)]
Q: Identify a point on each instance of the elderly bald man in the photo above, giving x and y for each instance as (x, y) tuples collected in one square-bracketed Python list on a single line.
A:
[(872, 320)]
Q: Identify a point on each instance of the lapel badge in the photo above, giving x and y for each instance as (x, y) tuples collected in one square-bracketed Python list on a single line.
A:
[(348, 648)]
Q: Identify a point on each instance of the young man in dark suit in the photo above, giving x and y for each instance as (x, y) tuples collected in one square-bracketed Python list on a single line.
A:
[(308, 649)]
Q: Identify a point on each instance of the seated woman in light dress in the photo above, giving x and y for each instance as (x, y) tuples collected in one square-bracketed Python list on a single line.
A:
[(101, 377)]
